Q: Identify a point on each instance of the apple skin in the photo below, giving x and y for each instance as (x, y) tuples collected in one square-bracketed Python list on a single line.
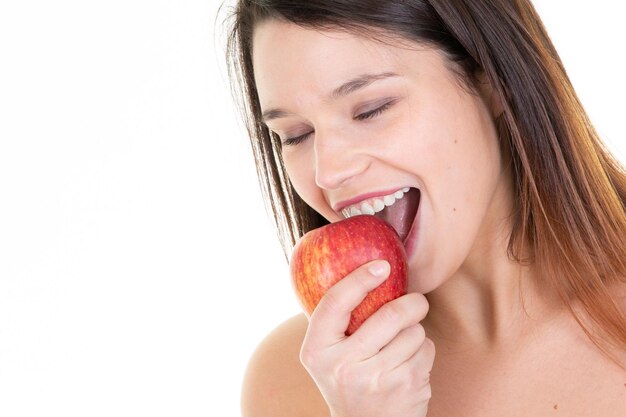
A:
[(327, 254)]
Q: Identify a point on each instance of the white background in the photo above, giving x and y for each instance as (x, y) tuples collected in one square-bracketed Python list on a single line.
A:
[(138, 267)]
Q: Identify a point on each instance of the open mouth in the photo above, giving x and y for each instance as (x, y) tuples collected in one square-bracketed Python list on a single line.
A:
[(399, 209), (401, 214)]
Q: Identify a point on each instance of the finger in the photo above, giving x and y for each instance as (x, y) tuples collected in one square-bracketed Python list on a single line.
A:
[(330, 319), (385, 324), (421, 360), (402, 348), (414, 373)]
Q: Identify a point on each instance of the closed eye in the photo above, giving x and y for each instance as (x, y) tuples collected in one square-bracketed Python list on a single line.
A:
[(296, 140), (361, 117), (375, 112)]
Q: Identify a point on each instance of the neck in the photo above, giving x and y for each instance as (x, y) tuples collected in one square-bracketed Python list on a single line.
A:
[(490, 302)]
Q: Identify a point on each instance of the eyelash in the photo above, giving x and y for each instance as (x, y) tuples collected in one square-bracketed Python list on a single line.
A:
[(360, 117)]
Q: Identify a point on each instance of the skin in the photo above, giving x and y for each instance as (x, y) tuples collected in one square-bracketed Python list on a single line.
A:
[(488, 317)]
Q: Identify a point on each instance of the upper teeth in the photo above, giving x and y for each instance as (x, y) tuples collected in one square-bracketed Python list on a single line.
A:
[(373, 205)]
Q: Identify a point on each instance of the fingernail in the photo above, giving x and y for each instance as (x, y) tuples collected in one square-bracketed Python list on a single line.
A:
[(379, 268)]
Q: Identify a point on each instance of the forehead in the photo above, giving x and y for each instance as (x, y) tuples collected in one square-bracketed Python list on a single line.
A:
[(288, 58), (285, 38)]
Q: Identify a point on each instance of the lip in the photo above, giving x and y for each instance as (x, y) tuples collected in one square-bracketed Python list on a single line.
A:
[(345, 203), (411, 239)]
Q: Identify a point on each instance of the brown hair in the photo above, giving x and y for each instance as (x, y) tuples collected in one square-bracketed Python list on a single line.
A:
[(570, 192)]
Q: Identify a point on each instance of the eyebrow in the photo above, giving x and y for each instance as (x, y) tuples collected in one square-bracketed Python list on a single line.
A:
[(343, 90)]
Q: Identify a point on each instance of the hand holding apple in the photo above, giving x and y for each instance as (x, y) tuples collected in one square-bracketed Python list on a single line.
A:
[(325, 255), (383, 367)]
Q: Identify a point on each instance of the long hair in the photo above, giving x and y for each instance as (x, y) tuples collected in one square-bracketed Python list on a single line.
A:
[(570, 192)]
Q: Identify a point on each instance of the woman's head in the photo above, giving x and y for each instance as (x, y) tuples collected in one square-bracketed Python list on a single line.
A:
[(409, 121), (504, 97)]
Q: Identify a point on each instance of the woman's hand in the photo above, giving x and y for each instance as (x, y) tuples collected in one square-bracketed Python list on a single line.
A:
[(383, 369)]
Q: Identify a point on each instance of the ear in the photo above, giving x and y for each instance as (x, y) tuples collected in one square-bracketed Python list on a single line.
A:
[(489, 94)]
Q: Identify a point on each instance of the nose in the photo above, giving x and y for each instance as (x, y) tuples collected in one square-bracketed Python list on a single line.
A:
[(336, 163)]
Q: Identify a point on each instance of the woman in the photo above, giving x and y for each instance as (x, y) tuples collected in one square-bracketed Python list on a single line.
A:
[(516, 253)]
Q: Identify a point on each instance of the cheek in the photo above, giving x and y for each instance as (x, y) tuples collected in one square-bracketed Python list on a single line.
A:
[(302, 177), (466, 193), (468, 178), (460, 154), (299, 176)]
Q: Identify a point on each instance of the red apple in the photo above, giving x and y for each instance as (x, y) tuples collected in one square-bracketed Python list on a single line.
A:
[(327, 254)]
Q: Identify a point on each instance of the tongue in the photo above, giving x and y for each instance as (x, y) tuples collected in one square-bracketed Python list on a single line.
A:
[(400, 215)]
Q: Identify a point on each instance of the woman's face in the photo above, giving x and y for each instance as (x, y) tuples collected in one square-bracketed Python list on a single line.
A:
[(430, 133)]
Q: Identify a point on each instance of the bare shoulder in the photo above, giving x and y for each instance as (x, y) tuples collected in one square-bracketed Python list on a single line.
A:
[(275, 383)]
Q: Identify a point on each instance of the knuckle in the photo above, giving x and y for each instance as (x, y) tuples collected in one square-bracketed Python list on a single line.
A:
[(346, 375), (361, 340), (430, 347), (428, 353), (418, 333), (362, 280), (309, 357), (421, 305), (404, 381), (390, 312), (425, 392), (419, 382), (409, 382), (331, 302), (382, 380)]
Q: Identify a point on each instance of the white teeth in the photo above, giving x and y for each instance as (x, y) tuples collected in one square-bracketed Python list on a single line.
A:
[(354, 211), (378, 205), (373, 205), (367, 209)]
